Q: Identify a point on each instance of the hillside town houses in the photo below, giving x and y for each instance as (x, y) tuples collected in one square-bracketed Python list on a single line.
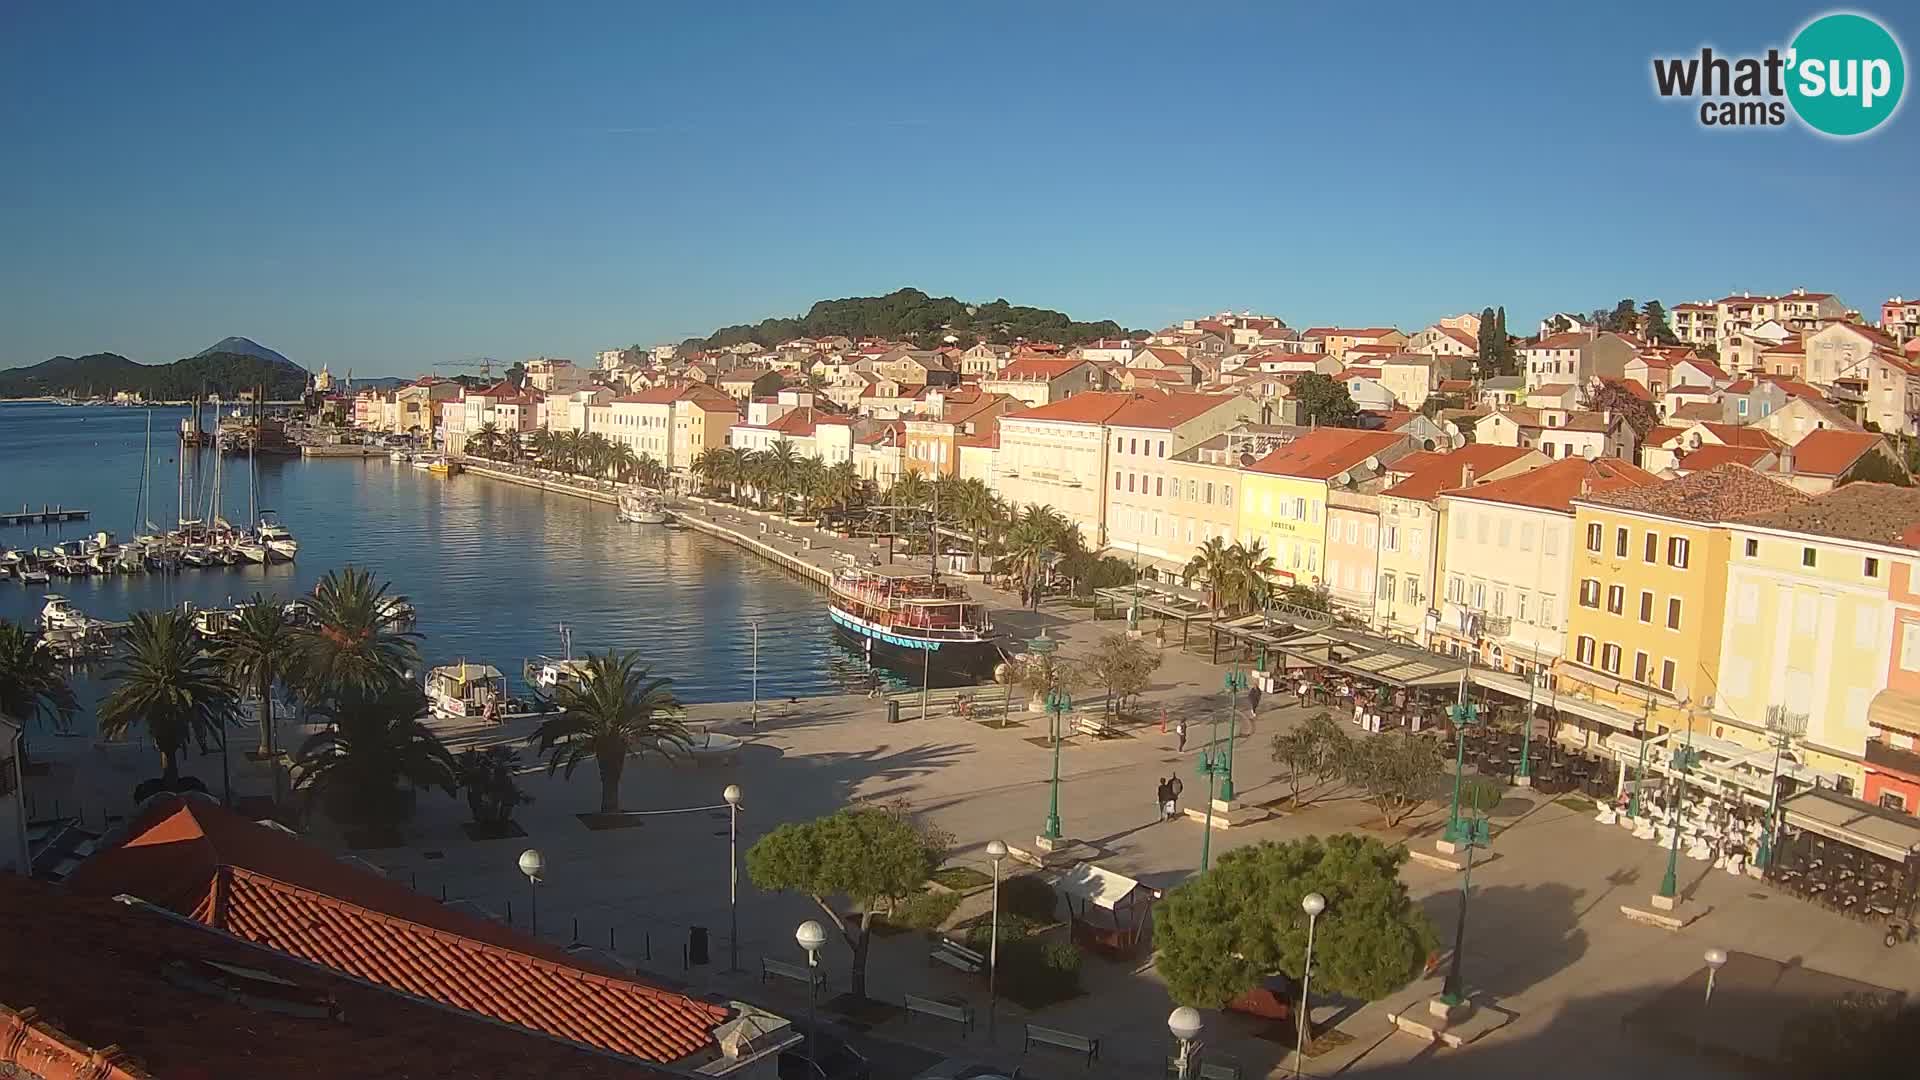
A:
[(1681, 524)]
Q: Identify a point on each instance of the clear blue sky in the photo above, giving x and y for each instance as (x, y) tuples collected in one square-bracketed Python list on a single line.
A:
[(384, 186)]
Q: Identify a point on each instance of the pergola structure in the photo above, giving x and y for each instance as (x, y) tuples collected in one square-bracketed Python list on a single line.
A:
[(1262, 632), (1368, 656), (1170, 602)]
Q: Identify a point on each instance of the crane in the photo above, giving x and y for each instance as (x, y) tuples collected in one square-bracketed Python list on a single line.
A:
[(484, 363)]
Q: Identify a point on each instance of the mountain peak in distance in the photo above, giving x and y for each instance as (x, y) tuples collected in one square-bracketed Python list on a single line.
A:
[(245, 347)]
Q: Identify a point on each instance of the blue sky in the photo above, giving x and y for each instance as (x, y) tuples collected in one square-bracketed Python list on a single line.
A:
[(385, 186)]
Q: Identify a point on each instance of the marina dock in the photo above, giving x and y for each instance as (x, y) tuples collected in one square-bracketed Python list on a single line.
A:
[(46, 515)]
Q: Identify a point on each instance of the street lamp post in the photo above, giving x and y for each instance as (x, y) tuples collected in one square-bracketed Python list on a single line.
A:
[(1473, 835), (1235, 682), (811, 936), (753, 718), (1213, 765), (1716, 957), (732, 797), (1184, 1024), (534, 865), (1783, 727), (1463, 716), (1684, 761), (1058, 702), (996, 850), (1313, 904), (1525, 776), (1640, 774)]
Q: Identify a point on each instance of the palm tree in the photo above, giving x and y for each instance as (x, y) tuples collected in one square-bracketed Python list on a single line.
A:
[(169, 684), (621, 461), (911, 489), (568, 452), (618, 709), (31, 683), (1212, 563), (1247, 577), (357, 646), (486, 441), (839, 485), (367, 766), (782, 465), (651, 473), (544, 444), (806, 477), (255, 648), (974, 507)]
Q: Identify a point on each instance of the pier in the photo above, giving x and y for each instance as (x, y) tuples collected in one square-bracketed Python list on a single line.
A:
[(46, 515)]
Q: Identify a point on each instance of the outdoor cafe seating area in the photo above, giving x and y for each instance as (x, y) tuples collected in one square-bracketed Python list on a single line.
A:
[(1846, 879)]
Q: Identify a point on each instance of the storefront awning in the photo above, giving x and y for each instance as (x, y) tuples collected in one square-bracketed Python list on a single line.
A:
[(1886, 833), (1102, 888), (1373, 657), (1896, 710)]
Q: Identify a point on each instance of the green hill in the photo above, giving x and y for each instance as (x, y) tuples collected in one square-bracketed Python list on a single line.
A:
[(105, 374), (911, 315)]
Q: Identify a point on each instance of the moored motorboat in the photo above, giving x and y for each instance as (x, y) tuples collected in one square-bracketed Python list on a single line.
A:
[(915, 623), (279, 541), (60, 614), (641, 508)]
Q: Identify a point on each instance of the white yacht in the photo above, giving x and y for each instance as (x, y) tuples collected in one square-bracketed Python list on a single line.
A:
[(60, 614), (279, 542), (641, 508), (398, 610)]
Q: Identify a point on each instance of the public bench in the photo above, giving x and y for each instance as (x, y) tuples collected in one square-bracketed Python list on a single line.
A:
[(958, 957), (1062, 1040), (960, 1014), (1095, 724), (780, 969)]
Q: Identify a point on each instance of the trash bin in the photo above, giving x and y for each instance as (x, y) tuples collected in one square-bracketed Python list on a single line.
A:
[(893, 711), (696, 945)]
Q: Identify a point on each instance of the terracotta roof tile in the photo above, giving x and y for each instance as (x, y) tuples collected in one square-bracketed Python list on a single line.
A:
[(1326, 453), (1435, 472), (1035, 367), (1873, 513), (138, 969), (1713, 454), (1555, 486), (1720, 494), (1094, 407), (1830, 451), (1739, 435), (277, 890)]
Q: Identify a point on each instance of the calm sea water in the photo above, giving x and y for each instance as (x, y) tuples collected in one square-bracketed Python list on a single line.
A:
[(493, 568)]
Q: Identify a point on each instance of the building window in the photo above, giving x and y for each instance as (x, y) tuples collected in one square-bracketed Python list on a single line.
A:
[(1620, 543), (1753, 548), (1520, 605), (1893, 800), (1116, 480), (1910, 646), (1872, 568), (1610, 658), (1583, 650), (1593, 536), (1673, 613), (1226, 494), (1677, 551), (1652, 552), (1133, 446), (1666, 675), (1590, 593), (1386, 587), (1808, 556), (1413, 589), (1646, 607), (1209, 498), (1391, 538), (1616, 599), (1640, 667)]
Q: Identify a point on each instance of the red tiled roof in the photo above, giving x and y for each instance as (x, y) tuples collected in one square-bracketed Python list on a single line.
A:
[(1572, 339), (1435, 472), (1723, 493), (1037, 367), (1870, 512), (268, 887), (1170, 357), (1342, 331), (1326, 453), (1737, 435), (1155, 410), (1555, 486), (1662, 433), (1707, 367), (1712, 454), (1154, 375), (123, 991), (1831, 452), (1460, 336), (1454, 386), (1089, 408), (1697, 412), (1358, 372)]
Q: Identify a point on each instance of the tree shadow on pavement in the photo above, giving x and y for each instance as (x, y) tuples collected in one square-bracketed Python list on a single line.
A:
[(1517, 935)]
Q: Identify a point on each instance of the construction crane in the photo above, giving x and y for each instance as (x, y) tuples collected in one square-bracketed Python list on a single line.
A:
[(485, 364)]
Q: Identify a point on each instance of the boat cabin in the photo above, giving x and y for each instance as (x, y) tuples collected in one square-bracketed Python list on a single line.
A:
[(465, 689)]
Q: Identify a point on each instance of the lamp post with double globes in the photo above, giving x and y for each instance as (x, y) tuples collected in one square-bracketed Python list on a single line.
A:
[(1184, 1024), (732, 796), (811, 936), (996, 850), (1716, 958)]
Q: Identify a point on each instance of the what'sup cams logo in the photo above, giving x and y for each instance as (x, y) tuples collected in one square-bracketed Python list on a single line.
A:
[(1842, 76)]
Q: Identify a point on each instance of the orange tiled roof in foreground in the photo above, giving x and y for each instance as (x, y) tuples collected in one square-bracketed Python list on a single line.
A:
[(1326, 453), (277, 890), (1555, 486), (1435, 471), (1715, 454), (1830, 451), (1723, 493), (1873, 513), (103, 990)]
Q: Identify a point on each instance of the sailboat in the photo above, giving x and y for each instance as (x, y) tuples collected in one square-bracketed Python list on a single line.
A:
[(252, 546)]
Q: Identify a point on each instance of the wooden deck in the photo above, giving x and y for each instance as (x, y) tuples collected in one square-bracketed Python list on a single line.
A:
[(46, 515)]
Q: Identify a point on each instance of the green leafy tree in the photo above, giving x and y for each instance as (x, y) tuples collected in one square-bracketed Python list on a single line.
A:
[(1124, 666), (1324, 401), (1490, 344), (1304, 597), (1399, 773), (367, 768), (355, 644), (169, 684), (1653, 324), (1559, 324), (31, 682), (489, 779), (1221, 933), (856, 865), (618, 710), (1319, 748), (1212, 563), (1877, 468)]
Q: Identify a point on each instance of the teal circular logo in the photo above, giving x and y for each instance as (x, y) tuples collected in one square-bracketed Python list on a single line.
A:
[(1846, 74)]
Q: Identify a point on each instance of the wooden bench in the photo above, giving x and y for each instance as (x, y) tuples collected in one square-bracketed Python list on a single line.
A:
[(958, 957), (1095, 724), (961, 1014), (1063, 1040), (780, 969)]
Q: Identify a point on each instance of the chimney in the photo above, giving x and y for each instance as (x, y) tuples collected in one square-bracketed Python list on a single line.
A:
[(1466, 476), (1586, 484), (1786, 461)]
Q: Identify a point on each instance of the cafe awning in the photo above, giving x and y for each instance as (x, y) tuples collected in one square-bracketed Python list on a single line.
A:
[(1373, 657), (1886, 833), (1896, 710)]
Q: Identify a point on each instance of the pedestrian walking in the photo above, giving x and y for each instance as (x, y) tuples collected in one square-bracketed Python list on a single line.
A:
[(1174, 788), (1253, 699), (1180, 733), (1163, 798)]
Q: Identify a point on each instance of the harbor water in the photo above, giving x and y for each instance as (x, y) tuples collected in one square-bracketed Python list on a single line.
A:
[(493, 568)]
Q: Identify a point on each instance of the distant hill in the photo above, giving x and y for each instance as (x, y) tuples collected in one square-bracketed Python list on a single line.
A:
[(911, 315), (240, 346), (105, 374)]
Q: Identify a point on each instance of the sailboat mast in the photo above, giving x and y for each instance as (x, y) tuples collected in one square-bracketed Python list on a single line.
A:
[(146, 467), (180, 494), (933, 537)]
